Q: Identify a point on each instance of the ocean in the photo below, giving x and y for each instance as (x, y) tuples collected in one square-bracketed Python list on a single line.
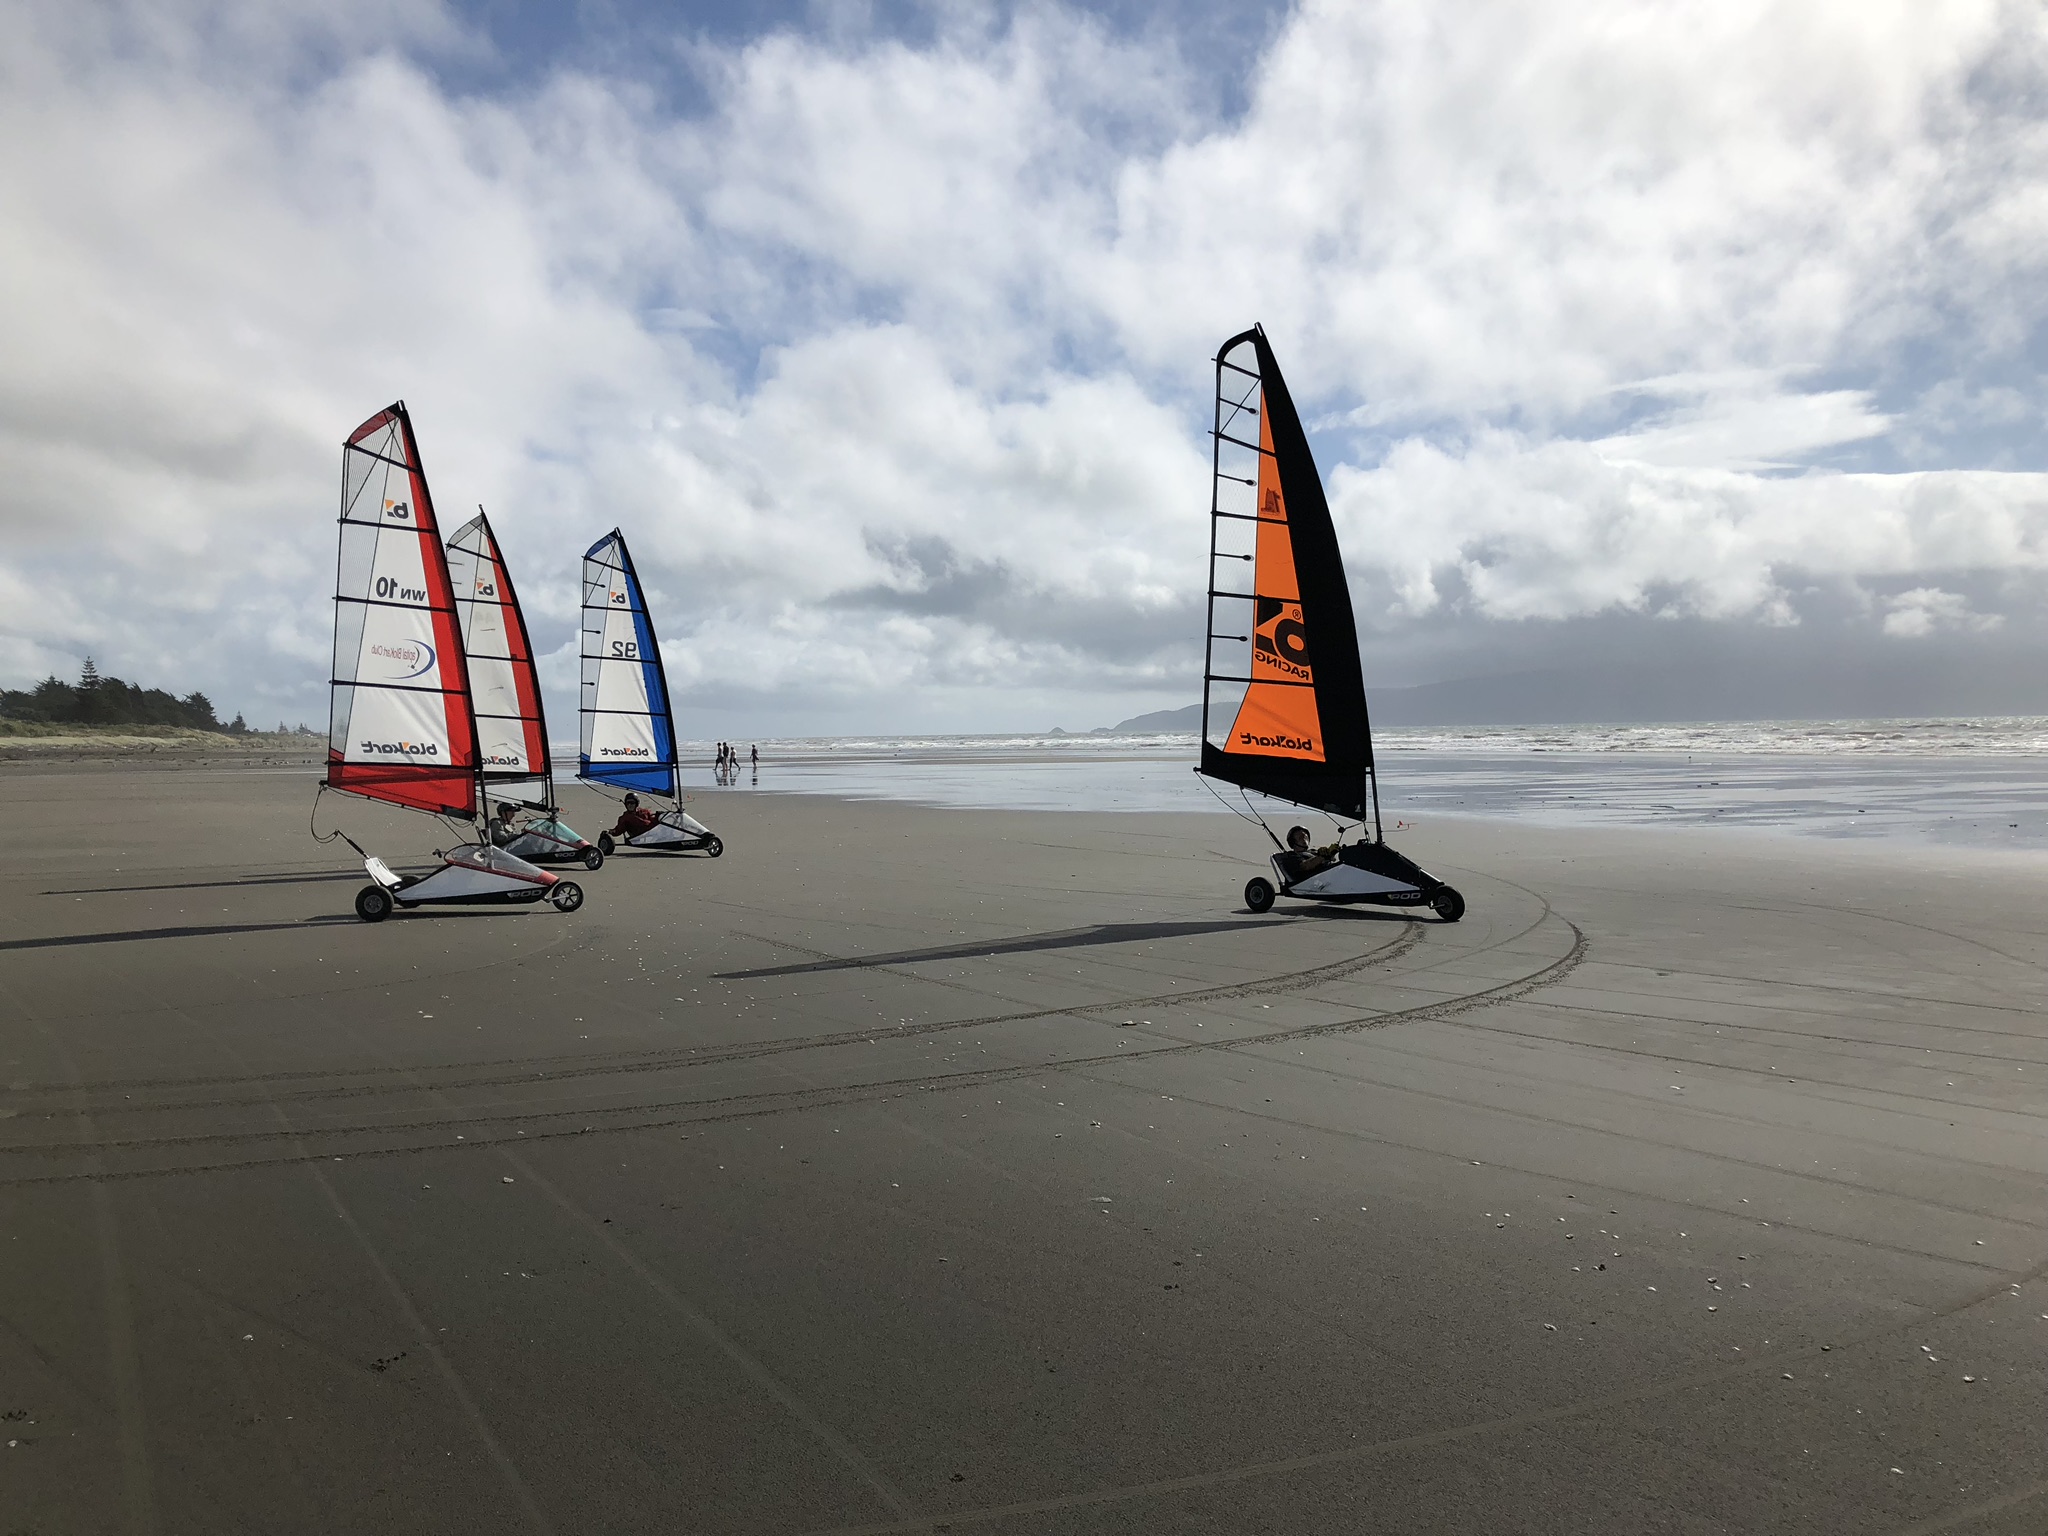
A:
[(1979, 782)]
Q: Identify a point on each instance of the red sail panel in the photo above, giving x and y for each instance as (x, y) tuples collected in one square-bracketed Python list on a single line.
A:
[(400, 728), (1277, 717)]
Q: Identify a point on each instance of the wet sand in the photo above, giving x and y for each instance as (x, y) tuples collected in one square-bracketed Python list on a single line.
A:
[(911, 1169)]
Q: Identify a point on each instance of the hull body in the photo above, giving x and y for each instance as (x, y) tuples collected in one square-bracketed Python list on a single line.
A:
[(551, 842), (677, 832)]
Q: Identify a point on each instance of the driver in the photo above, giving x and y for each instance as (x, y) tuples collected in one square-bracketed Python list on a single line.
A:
[(1300, 861), (503, 825), (633, 820)]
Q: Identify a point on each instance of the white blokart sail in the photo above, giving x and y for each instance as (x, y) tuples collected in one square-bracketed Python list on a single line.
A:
[(402, 723), (400, 728), (504, 681), (629, 733)]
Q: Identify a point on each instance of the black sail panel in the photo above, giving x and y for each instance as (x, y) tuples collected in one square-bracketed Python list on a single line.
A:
[(1294, 695)]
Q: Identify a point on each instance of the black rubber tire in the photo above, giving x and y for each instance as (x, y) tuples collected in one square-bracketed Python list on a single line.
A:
[(1447, 904), (567, 895), (373, 903), (593, 858), (605, 845), (1258, 895), (715, 846)]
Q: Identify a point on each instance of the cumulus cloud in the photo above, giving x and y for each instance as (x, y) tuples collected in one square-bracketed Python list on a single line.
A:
[(1929, 610), (890, 355)]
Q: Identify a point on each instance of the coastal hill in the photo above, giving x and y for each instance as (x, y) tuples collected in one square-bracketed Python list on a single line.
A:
[(1934, 684)]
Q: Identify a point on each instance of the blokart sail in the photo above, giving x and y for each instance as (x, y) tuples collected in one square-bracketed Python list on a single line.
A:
[(401, 728), (504, 682), (402, 724), (1283, 693), (628, 726)]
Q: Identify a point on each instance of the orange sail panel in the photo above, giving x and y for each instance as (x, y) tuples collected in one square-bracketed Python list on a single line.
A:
[(1278, 716), (400, 726)]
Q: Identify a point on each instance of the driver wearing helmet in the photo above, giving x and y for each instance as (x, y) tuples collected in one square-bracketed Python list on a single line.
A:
[(1301, 861), (503, 825), (633, 820)]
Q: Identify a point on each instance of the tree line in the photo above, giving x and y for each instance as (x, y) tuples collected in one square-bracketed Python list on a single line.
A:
[(97, 700)]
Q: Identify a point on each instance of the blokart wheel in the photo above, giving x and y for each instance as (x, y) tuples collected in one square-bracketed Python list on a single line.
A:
[(567, 895), (593, 858), (373, 903), (1258, 895), (715, 846), (1447, 904), (605, 845)]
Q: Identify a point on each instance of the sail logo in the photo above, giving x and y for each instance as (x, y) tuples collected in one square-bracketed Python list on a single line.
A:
[(1284, 743), (624, 752), (1280, 642), (416, 655), (400, 748), (619, 597), (486, 589), (497, 758), (397, 511)]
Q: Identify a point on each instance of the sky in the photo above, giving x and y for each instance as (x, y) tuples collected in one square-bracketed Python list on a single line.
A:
[(884, 331)]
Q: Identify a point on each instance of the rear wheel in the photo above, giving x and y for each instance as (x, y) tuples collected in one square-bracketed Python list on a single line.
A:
[(1258, 895), (593, 858), (1447, 904), (716, 846), (373, 903), (605, 845), (567, 895)]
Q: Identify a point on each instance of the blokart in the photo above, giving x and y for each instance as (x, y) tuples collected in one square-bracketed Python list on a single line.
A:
[(553, 841), (471, 875), (1283, 690), (1364, 872), (676, 832)]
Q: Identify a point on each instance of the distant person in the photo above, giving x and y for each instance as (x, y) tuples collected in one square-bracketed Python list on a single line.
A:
[(633, 820), (755, 753), (1300, 860)]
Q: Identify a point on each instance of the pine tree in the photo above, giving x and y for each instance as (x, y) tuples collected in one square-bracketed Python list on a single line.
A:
[(88, 676)]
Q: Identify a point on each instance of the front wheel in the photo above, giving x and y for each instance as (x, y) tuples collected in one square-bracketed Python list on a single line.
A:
[(373, 903), (1447, 904), (715, 847), (593, 858), (605, 845), (567, 895), (1258, 895)]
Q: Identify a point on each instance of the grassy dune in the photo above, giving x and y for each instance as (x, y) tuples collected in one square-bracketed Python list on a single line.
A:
[(25, 739)]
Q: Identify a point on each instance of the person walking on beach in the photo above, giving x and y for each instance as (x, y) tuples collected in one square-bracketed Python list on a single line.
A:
[(755, 752)]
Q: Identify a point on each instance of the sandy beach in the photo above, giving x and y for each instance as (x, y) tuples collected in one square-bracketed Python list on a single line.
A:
[(913, 1169)]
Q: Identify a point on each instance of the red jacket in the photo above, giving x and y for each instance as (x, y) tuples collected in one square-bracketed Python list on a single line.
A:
[(634, 820)]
